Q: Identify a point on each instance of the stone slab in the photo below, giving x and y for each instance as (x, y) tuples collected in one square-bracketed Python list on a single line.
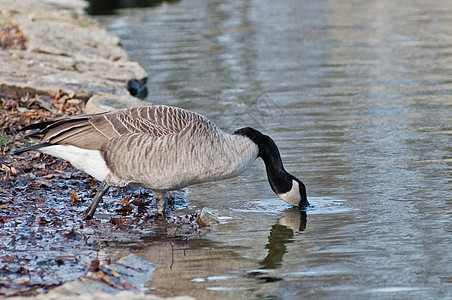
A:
[(66, 50), (108, 102)]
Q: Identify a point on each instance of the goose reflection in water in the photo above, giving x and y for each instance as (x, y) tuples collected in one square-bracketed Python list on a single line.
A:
[(197, 264), (291, 223)]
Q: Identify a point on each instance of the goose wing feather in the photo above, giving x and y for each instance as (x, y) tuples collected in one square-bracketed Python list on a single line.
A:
[(92, 131)]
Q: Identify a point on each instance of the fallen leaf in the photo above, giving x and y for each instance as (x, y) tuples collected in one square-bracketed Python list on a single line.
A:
[(42, 221), (102, 276), (125, 208), (94, 266), (13, 171), (125, 200), (74, 198)]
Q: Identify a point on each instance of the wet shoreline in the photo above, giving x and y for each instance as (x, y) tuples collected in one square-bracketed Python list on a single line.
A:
[(46, 249)]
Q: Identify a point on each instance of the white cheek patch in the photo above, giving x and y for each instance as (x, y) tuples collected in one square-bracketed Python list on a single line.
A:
[(293, 196)]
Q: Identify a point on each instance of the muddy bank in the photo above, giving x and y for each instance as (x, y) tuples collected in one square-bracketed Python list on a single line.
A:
[(54, 59), (44, 242)]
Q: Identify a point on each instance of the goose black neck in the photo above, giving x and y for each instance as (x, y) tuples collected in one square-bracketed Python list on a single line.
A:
[(280, 180)]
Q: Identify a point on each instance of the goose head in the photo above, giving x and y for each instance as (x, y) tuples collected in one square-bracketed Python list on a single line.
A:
[(293, 193), (289, 188)]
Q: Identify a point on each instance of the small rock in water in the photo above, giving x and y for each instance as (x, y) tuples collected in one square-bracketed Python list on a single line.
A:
[(206, 218)]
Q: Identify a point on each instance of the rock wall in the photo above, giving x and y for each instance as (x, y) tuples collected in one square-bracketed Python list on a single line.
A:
[(67, 50)]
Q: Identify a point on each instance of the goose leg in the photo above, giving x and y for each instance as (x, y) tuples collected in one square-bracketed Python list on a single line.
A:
[(103, 188), (161, 203)]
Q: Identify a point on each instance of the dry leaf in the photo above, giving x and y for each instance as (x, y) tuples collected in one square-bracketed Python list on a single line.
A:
[(125, 208), (125, 200), (42, 221), (13, 171), (74, 198)]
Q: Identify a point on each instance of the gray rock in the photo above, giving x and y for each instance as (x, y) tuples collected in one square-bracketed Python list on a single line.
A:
[(128, 273), (65, 50), (131, 268), (107, 102), (124, 295), (207, 218)]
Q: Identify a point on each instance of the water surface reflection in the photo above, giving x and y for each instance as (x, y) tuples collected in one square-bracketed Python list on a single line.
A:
[(358, 96), (292, 222)]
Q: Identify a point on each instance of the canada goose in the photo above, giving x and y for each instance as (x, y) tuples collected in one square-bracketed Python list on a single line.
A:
[(162, 148)]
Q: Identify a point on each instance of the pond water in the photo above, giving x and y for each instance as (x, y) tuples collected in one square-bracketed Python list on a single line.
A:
[(358, 96)]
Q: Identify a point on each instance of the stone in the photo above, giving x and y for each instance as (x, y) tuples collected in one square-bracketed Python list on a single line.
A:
[(207, 218), (65, 50), (108, 102)]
